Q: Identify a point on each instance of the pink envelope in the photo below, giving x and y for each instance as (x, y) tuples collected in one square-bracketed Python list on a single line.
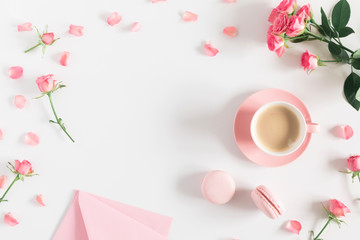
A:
[(95, 218)]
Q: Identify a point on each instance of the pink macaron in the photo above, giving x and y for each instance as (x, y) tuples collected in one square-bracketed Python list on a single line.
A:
[(218, 187), (266, 202)]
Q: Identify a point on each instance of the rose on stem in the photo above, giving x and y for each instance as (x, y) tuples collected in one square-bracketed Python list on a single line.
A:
[(48, 85), (45, 39), (21, 170), (354, 167), (335, 211)]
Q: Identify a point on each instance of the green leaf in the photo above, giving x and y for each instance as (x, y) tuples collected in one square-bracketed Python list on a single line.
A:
[(356, 63), (351, 88), (340, 15), (345, 31), (325, 23), (334, 49), (343, 57), (357, 97), (356, 54)]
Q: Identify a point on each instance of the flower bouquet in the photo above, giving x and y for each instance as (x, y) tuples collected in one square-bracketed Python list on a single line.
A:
[(291, 23)]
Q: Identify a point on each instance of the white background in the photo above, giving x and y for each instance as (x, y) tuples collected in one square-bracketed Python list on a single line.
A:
[(151, 114)]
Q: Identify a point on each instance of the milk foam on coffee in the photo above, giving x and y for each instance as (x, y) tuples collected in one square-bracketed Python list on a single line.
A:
[(277, 128)]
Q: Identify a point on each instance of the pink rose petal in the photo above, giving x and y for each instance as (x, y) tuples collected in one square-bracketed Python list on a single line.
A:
[(64, 58), (32, 139), (10, 220), (210, 50), (155, 1), (20, 101), (136, 27), (40, 200), (189, 16), (25, 27), (231, 31), (344, 131), (114, 19), (294, 226), (1, 134), (3, 179), (76, 30), (16, 72)]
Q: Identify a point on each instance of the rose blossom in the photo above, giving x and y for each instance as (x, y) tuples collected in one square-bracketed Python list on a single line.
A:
[(46, 83), (286, 6), (305, 11), (280, 23), (296, 26), (309, 61), (275, 43), (47, 38), (354, 163), (23, 168), (338, 208)]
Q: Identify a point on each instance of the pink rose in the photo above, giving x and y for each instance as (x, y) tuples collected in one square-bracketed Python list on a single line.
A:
[(354, 163), (309, 61), (280, 24), (305, 11), (275, 43), (47, 38), (286, 6), (296, 26), (23, 168), (338, 208), (46, 83)]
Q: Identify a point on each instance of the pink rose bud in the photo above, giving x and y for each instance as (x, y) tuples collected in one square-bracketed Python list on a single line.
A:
[(275, 43), (305, 11), (286, 6), (47, 38), (338, 208), (309, 61), (23, 168), (280, 24), (296, 26), (10, 220), (354, 163), (3, 179), (46, 83)]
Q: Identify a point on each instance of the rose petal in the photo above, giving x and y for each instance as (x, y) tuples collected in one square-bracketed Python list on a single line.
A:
[(189, 16), (76, 30), (210, 50), (64, 58), (40, 200), (230, 1), (20, 101), (294, 226), (1, 134), (344, 131), (231, 31), (136, 27), (25, 27), (155, 1), (10, 220), (32, 139), (114, 19), (16, 72), (3, 179)]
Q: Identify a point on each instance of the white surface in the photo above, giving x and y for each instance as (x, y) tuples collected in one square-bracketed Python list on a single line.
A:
[(151, 114)]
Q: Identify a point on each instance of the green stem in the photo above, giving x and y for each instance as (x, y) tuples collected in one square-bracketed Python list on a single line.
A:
[(327, 223), (56, 117), (33, 47), (7, 190), (327, 40)]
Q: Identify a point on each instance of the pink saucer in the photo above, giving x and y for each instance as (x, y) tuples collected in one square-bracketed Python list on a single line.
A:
[(242, 127)]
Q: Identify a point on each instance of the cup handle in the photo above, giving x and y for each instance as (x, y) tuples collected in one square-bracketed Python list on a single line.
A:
[(313, 128)]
